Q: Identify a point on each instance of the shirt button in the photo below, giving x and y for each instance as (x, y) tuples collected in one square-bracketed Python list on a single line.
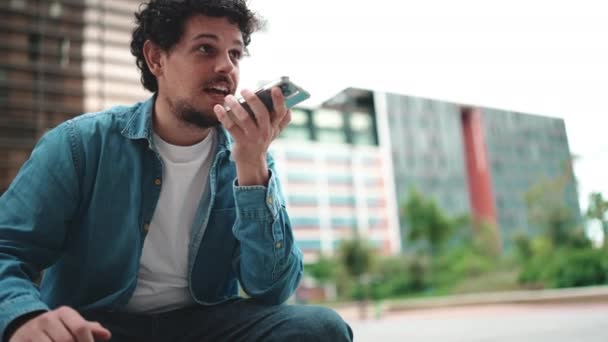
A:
[(269, 200), (157, 181), (278, 245), (146, 227)]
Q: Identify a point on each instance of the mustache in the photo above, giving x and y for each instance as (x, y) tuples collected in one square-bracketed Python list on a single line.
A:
[(219, 79)]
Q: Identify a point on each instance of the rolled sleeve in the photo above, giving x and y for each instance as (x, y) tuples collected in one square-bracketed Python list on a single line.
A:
[(268, 263), (257, 201), (15, 308)]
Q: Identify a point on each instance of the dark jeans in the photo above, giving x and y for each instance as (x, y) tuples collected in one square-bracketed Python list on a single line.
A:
[(236, 320)]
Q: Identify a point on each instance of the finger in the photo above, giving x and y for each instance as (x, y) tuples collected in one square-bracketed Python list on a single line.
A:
[(278, 100), (241, 116), (284, 123), (41, 336), (99, 332), (78, 326), (258, 107), (228, 122), (58, 331)]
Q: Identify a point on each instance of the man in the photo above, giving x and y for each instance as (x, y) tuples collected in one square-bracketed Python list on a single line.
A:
[(146, 218)]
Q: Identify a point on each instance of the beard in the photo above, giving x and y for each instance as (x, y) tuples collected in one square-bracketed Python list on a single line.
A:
[(187, 114)]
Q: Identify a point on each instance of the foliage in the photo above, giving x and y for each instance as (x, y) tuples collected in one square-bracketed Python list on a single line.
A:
[(356, 256), (324, 270), (598, 210), (547, 209), (400, 275), (428, 224), (460, 256), (566, 267)]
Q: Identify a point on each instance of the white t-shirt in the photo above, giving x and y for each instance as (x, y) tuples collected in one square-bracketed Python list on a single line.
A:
[(162, 280)]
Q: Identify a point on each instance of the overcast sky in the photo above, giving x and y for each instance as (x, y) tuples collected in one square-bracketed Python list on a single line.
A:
[(535, 56)]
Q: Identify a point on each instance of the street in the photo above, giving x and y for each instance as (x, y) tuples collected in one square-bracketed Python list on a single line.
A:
[(585, 322)]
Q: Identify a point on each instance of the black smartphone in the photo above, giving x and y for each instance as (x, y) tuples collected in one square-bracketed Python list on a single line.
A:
[(292, 93)]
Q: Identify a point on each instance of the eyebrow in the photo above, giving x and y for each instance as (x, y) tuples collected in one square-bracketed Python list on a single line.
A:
[(214, 37)]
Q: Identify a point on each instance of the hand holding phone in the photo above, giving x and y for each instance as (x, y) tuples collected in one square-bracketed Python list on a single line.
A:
[(292, 93)]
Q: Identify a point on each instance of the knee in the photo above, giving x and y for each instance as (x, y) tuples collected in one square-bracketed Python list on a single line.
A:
[(324, 324)]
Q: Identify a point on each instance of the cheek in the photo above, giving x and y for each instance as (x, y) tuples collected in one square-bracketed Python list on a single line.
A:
[(236, 75)]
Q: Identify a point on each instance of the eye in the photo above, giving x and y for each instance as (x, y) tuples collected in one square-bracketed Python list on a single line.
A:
[(236, 55), (206, 49)]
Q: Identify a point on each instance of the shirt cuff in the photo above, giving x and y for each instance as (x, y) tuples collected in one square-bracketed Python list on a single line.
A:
[(258, 201), (15, 308)]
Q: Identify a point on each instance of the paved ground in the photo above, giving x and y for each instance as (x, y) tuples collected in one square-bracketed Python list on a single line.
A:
[(585, 322)]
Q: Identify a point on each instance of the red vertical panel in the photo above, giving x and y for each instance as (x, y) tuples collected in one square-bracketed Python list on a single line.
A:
[(478, 170)]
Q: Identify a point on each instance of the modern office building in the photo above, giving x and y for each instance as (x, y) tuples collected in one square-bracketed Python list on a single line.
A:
[(476, 160), (521, 151), (337, 174)]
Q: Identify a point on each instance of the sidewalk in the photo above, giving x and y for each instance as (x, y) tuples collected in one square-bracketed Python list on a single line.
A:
[(573, 295)]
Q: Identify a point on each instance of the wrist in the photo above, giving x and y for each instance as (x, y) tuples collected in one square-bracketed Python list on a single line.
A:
[(18, 323), (252, 172)]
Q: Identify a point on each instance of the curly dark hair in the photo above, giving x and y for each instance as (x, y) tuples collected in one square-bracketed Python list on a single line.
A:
[(162, 22)]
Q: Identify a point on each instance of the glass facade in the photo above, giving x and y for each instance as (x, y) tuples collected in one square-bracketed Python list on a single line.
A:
[(524, 149), (429, 155), (348, 125), (427, 150)]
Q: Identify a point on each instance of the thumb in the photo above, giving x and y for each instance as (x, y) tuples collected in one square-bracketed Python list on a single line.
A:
[(99, 332)]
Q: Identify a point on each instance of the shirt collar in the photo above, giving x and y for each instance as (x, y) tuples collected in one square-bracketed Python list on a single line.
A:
[(139, 125)]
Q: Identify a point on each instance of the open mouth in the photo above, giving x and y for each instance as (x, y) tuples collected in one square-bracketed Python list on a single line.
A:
[(218, 90)]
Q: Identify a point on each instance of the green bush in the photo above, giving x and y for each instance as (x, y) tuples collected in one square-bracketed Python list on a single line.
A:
[(460, 263), (399, 276), (566, 267), (581, 268)]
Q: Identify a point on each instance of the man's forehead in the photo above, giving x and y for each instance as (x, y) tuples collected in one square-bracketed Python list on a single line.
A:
[(200, 26)]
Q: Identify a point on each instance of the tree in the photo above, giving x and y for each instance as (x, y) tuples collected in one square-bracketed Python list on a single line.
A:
[(428, 224), (357, 258), (598, 210), (324, 270), (547, 209)]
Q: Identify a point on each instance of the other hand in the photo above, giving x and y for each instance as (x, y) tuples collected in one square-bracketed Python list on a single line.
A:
[(60, 325)]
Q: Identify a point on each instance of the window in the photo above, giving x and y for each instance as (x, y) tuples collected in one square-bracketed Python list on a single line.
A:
[(18, 4), (64, 52), (344, 222), (3, 90), (330, 126), (309, 244), (55, 9), (299, 127), (305, 222), (342, 201), (340, 179), (301, 178), (34, 44), (303, 200), (362, 128)]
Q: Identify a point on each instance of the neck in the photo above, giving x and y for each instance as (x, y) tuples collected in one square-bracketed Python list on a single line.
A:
[(173, 130)]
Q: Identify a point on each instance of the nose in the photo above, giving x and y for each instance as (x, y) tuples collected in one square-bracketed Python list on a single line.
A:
[(224, 64)]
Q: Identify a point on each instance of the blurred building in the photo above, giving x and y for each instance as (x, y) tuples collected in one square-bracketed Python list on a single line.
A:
[(337, 173), (41, 80), (58, 59), (475, 160)]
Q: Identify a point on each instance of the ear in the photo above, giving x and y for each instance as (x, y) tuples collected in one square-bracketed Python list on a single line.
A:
[(153, 54)]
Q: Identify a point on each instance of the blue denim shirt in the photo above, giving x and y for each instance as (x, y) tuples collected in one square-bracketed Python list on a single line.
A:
[(80, 208)]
